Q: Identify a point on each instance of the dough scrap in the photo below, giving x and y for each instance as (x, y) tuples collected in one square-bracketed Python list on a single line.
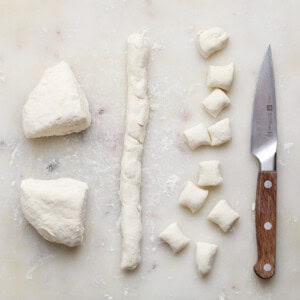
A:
[(211, 40), (56, 106), (216, 102), (174, 237), (196, 136), (55, 208), (220, 76), (193, 197), (137, 115), (220, 132), (223, 215), (205, 256), (209, 173)]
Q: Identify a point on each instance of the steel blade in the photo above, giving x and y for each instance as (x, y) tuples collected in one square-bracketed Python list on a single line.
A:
[(264, 124)]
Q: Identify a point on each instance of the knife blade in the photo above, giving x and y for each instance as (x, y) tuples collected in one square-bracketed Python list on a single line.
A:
[(264, 148)]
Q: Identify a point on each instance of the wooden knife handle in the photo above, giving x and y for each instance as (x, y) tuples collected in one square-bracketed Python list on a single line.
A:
[(265, 221)]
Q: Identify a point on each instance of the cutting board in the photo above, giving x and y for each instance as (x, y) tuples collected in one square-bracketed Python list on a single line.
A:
[(91, 37)]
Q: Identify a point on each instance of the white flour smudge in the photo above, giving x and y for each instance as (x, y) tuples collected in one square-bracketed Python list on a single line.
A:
[(285, 153), (40, 262)]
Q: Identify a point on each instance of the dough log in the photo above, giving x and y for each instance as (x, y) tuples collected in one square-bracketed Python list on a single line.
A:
[(136, 126)]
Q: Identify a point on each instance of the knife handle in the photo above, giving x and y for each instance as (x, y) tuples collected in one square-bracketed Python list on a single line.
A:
[(265, 221)]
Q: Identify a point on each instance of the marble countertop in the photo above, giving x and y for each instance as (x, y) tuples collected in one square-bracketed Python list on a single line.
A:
[(91, 36)]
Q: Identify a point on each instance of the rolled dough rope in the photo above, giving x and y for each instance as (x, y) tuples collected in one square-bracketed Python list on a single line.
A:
[(136, 125)]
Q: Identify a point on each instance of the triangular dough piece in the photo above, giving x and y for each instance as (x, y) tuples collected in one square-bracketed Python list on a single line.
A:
[(56, 208), (57, 105)]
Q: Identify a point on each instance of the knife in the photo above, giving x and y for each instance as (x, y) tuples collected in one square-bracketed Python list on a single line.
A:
[(264, 148)]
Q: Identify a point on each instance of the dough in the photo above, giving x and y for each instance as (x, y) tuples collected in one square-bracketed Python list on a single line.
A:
[(174, 237), (220, 77), (220, 132), (205, 256), (196, 136), (209, 173), (136, 125), (215, 102), (193, 197), (57, 105), (211, 40), (223, 215), (55, 208)]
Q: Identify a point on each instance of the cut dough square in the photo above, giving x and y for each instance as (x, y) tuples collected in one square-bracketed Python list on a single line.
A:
[(205, 256), (57, 105), (196, 136), (174, 237), (209, 173), (56, 208), (220, 76), (211, 40), (192, 197), (223, 215), (220, 132), (216, 102)]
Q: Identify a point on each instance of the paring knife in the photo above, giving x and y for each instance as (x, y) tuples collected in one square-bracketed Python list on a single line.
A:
[(264, 148)]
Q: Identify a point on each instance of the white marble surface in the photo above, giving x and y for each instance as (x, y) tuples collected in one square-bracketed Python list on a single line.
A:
[(91, 37)]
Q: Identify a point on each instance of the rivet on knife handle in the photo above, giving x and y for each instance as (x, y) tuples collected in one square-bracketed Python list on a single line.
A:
[(265, 219)]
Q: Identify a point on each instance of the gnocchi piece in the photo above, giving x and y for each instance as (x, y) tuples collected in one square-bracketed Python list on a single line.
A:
[(193, 197), (220, 132), (196, 136), (216, 102), (205, 256), (223, 215), (209, 173), (211, 40), (220, 76), (174, 237)]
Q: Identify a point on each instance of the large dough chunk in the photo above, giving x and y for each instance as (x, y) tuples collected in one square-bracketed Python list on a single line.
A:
[(220, 132), (56, 208), (174, 237), (57, 105), (131, 167), (209, 173), (205, 256), (220, 77), (211, 40), (193, 197), (223, 215)]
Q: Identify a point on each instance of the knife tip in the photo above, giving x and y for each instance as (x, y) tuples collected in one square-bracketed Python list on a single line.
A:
[(268, 54)]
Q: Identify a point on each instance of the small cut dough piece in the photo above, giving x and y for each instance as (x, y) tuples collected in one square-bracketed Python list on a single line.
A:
[(211, 40), (220, 132), (223, 215), (215, 102), (220, 77), (196, 136), (205, 256), (209, 173), (56, 208), (173, 236), (193, 197), (57, 105)]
